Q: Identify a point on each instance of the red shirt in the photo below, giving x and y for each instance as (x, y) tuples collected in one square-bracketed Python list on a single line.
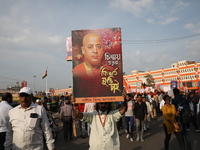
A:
[(81, 107)]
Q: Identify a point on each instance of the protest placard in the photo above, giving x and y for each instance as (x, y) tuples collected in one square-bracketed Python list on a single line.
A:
[(97, 65), (69, 49)]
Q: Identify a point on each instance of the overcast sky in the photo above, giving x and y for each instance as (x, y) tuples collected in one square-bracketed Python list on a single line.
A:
[(155, 34)]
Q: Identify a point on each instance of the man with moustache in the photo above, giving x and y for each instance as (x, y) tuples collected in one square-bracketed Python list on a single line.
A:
[(104, 133), (87, 76), (140, 115), (28, 123)]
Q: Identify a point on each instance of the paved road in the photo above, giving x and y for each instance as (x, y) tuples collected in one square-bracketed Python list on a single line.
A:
[(153, 140)]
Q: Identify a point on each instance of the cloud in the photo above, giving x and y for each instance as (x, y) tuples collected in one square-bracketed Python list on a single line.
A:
[(13, 33), (19, 30), (137, 53), (22, 57), (189, 26), (193, 52), (139, 61), (162, 12), (165, 59), (8, 26), (194, 45), (132, 60), (138, 8), (178, 6), (195, 28), (26, 48), (26, 19), (180, 3), (169, 20), (150, 20)]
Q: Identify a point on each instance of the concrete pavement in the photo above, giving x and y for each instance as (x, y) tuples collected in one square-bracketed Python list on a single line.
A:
[(154, 140)]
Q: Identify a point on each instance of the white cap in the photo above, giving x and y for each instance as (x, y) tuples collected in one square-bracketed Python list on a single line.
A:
[(26, 90), (38, 100)]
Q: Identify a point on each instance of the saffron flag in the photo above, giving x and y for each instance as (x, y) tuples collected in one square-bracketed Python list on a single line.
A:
[(44, 75)]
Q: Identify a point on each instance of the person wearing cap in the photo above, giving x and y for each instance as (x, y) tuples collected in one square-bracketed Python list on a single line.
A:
[(4, 119), (28, 123), (38, 101)]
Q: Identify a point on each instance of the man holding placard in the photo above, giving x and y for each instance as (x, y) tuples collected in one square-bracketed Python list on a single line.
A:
[(104, 133)]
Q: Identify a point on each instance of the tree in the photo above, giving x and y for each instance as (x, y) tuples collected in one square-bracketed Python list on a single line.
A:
[(150, 80)]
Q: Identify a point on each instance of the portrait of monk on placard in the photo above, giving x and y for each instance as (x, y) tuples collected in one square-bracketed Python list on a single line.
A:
[(99, 73)]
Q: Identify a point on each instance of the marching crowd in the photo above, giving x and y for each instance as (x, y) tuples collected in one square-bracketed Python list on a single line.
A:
[(26, 125)]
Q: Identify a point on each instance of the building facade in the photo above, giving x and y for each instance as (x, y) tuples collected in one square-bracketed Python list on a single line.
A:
[(63, 92), (184, 73)]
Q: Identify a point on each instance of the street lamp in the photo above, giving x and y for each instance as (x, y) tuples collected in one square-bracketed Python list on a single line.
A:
[(34, 83)]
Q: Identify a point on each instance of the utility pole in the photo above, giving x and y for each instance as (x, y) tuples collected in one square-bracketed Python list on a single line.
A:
[(34, 84)]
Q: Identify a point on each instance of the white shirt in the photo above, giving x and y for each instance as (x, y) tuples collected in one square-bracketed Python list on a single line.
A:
[(191, 107), (89, 107), (160, 98), (129, 112), (149, 97), (4, 119), (24, 135), (198, 107), (103, 115), (162, 103), (103, 138), (171, 93), (151, 101), (149, 108)]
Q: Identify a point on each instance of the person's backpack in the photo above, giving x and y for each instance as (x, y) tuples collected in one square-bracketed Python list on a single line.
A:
[(185, 113)]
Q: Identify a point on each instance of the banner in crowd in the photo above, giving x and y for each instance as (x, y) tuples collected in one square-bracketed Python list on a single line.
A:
[(69, 49), (24, 84), (173, 84), (97, 65)]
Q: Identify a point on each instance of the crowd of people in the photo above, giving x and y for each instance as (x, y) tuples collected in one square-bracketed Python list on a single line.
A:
[(26, 126), (143, 107)]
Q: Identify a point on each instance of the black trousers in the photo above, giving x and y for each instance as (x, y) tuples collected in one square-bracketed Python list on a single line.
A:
[(2, 140), (179, 137), (119, 124), (67, 127), (194, 122), (185, 134)]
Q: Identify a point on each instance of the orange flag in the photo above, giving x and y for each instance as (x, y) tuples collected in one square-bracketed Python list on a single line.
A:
[(44, 75)]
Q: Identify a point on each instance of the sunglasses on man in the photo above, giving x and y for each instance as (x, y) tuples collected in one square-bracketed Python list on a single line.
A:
[(24, 95)]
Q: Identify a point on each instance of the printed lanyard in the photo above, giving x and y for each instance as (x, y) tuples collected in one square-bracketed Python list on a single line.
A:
[(102, 123)]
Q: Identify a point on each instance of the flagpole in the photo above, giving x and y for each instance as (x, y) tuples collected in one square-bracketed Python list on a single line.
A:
[(46, 80), (46, 84)]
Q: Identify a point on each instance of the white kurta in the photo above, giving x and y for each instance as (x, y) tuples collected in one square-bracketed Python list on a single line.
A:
[(103, 138)]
